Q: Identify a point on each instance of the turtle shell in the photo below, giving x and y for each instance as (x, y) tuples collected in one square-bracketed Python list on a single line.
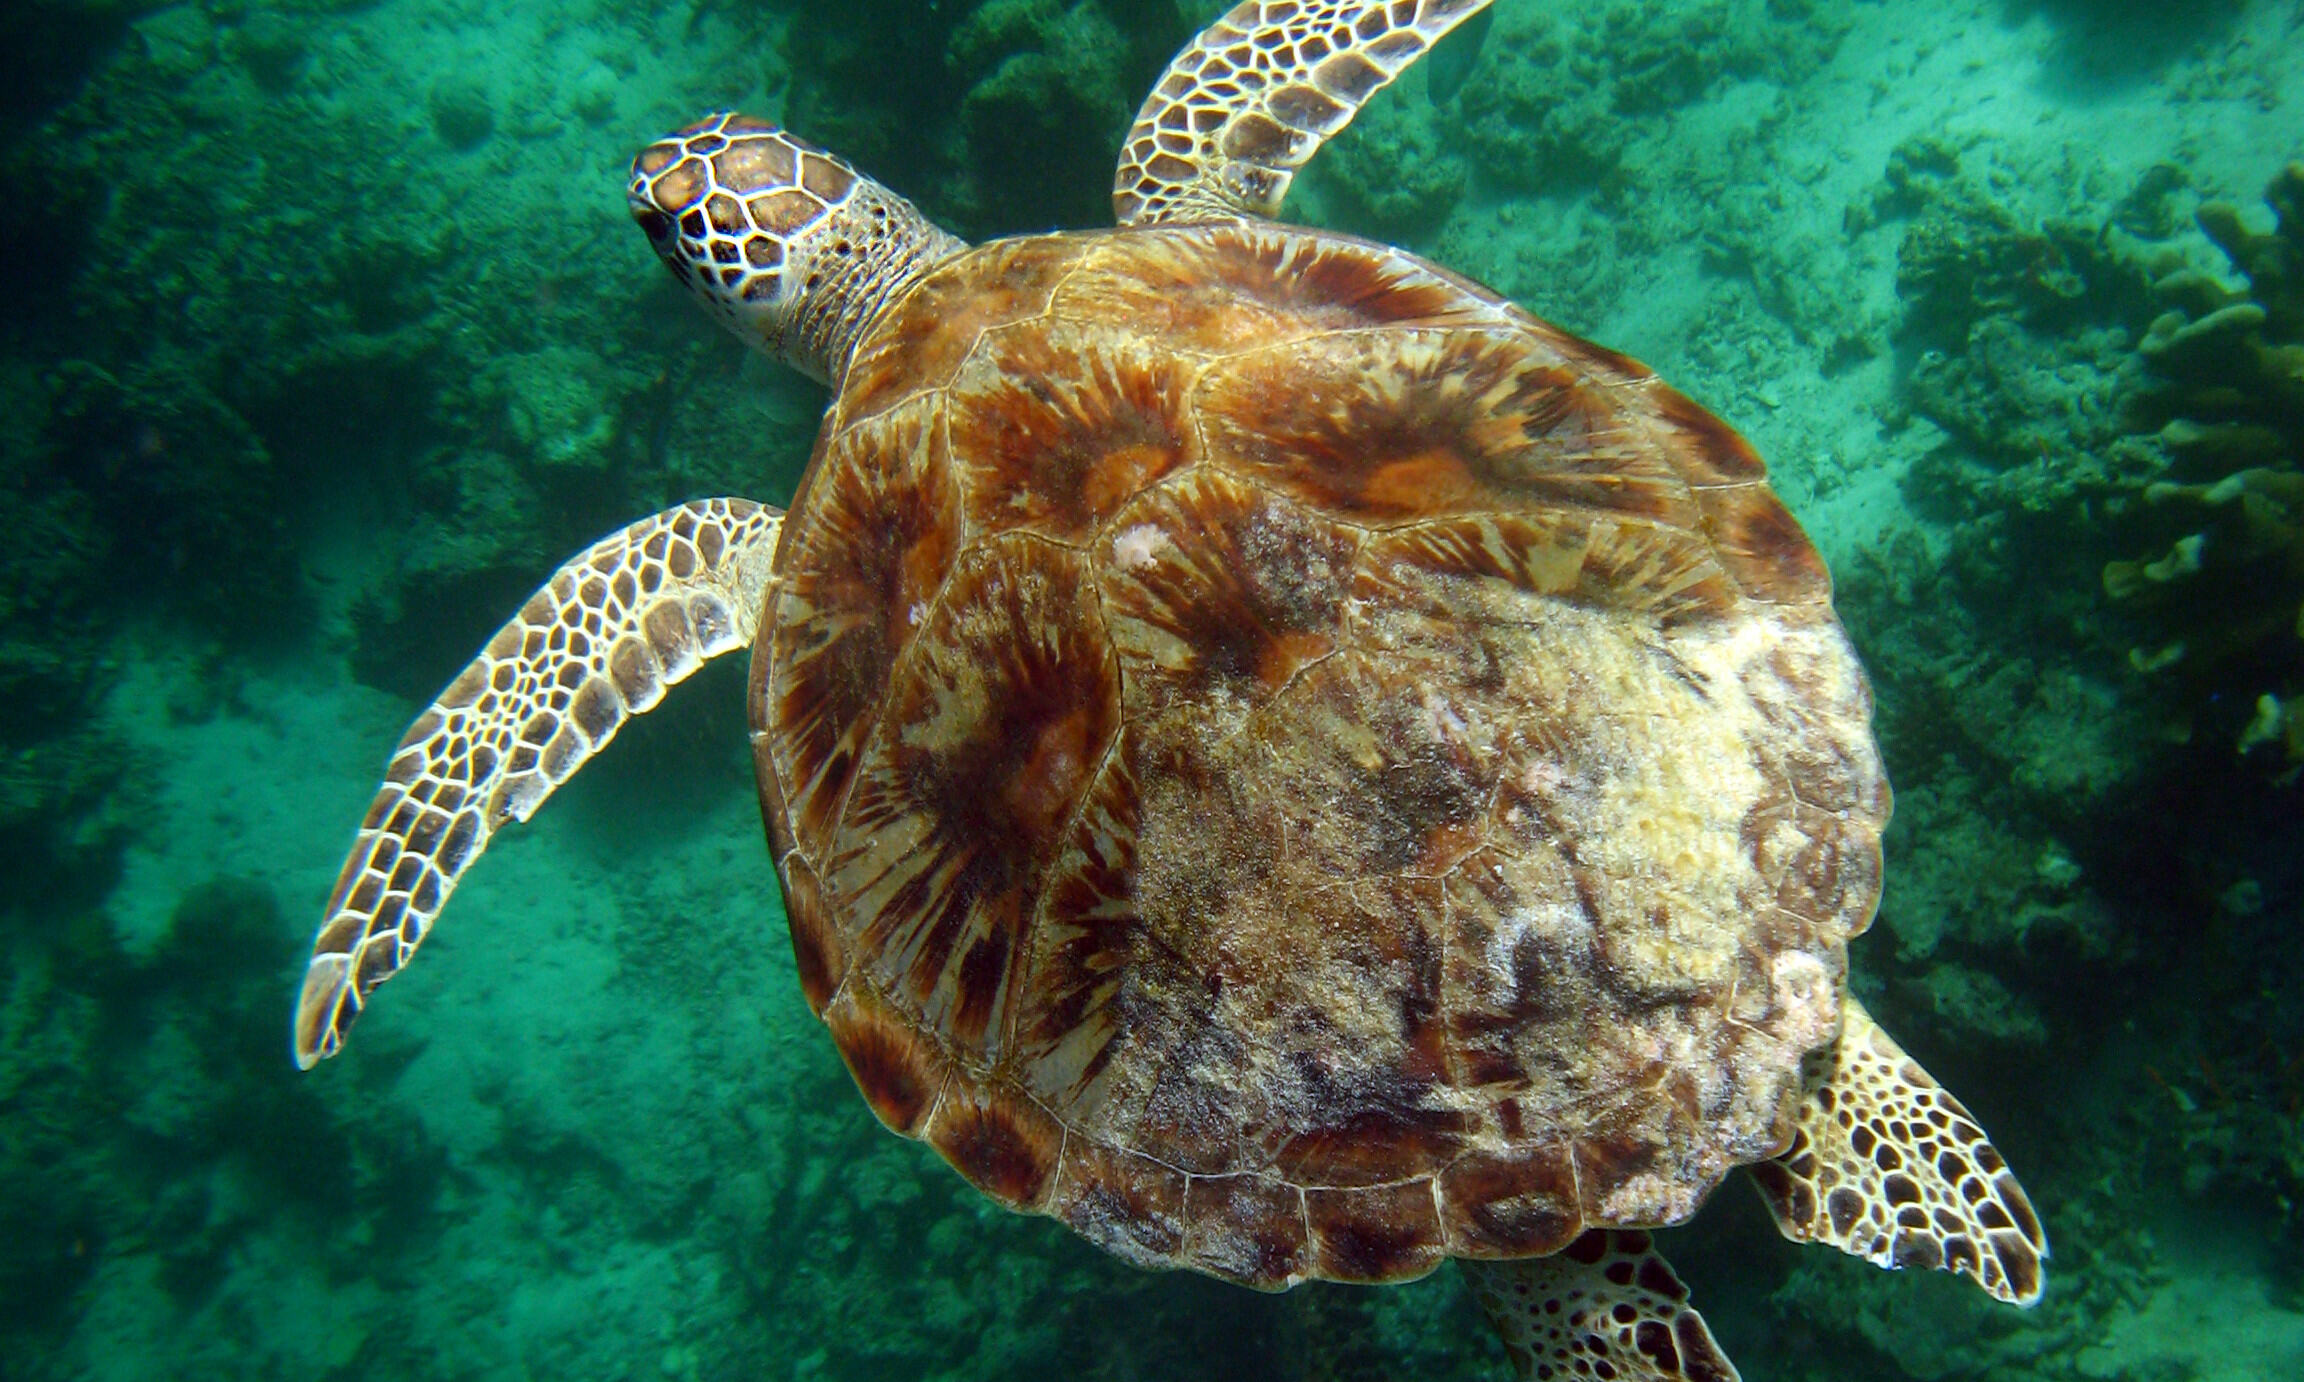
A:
[(1297, 768)]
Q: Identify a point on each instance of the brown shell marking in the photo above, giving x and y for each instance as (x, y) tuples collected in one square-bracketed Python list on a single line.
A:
[(1127, 1204), (897, 1066), (1354, 777), (1817, 705), (1248, 1229), (1096, 968), (857, 579), (1379, 1233), (995, 724), (1219, 594), (1057, 427), (1230, 288), (934, 327), (1759, 542), (1407, 426), (1005, 1144), (819, 955), (1521, 1203), (1482, 565)]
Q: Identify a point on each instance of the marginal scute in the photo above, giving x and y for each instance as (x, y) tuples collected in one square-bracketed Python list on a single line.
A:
[(1763, 547), (1371, 1144), (1829, 874), (897, 1066), (1632, 1176), (1376, 1233), (819, 956), (1520, 1203), (1249, 1229), (1129, 1205), (1711, 453), (1005, 1145), (1602, 364), (1813, 698)]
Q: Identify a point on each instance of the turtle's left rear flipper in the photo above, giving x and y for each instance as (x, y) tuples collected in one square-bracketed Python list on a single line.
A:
[(632, 615), (1886, 1165), (1607, 1305)]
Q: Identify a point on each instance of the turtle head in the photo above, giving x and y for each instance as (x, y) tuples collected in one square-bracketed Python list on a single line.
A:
[(785, 244)]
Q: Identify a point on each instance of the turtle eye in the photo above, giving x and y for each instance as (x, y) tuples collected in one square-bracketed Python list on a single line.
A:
[(654, 224)]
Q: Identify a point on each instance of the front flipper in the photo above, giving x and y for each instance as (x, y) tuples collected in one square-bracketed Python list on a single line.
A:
[(598, 644), (1605, 1306), (1250, 100), (1886, 1165)]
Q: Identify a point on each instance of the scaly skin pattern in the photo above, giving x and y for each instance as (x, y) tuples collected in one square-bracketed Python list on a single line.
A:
[(783, 243), (631, 615), (1297, 768), (1607, 1308), (1251, 99), (1886, 1165)]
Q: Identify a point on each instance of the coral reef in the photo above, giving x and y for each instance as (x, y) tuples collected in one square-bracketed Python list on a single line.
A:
[(2223, 583), (1044, 88), (1564, 98), (2116, 481)]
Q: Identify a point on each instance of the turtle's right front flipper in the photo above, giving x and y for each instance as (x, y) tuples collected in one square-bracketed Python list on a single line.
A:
[(634, 614)]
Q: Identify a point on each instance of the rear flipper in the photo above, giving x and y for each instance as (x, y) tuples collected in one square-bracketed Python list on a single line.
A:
[(1605, 1306), (1886, 1165)]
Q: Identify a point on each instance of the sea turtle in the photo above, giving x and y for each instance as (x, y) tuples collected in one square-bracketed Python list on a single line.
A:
[(1276, 757)]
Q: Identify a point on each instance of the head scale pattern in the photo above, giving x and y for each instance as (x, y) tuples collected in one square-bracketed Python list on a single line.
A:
[(784, 244)]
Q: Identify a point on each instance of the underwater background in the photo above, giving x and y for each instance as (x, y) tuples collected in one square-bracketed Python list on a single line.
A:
[(325, 336)]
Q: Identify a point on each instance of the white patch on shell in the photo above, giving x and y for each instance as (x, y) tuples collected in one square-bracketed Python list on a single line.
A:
[(1561, 928), (1805, 1001), (1138, 547), (1649, 1198), (1447, 725)]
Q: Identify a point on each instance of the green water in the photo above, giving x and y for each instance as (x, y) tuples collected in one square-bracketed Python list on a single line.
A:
[(325, 336)]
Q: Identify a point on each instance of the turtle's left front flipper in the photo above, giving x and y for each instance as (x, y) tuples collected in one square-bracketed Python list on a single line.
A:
[(1607, 1305), (1886, 1165), (633, 614)]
